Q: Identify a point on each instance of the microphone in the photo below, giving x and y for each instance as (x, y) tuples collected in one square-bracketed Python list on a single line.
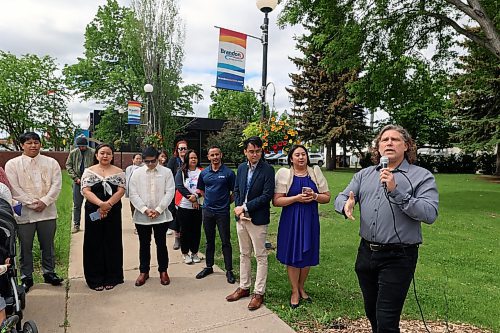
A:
[(384, 164)]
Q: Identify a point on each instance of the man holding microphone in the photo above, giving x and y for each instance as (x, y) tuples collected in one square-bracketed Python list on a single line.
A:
[(395, 197)]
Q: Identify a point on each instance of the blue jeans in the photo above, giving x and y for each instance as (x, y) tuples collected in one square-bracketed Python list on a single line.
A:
[(77, 204), (384, 278)]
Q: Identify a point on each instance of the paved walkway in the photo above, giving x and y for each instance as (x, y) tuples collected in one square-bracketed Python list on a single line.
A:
[(186, 305)]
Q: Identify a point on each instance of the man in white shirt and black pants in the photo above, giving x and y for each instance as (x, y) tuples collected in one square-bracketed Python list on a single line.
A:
[(151, 189), (36, 183)]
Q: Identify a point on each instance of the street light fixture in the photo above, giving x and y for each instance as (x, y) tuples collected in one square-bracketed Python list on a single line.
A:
[(148, 89), (265, 6)]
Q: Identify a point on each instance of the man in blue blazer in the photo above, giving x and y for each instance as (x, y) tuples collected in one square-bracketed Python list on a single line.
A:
[(253, 192)]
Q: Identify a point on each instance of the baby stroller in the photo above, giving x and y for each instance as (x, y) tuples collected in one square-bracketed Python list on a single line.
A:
[(10, 290)]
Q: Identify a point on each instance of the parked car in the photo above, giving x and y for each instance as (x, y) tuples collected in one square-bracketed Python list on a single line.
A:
[(316, 158), (283, 160), (274, 159)]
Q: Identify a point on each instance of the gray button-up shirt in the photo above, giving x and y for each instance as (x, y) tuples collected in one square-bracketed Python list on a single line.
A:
[(415, 199)]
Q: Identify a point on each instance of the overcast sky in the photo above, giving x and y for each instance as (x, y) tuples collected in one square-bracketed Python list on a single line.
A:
[(57, 27)]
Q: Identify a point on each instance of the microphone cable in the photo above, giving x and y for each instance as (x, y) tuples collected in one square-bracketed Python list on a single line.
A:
[(386, 194)]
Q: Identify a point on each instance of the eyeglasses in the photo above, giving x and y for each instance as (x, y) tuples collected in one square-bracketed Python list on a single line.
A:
[(182, 148), (150, 161)]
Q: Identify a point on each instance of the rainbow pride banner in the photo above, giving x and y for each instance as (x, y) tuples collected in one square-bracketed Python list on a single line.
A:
[(231, 62), (134, 113)]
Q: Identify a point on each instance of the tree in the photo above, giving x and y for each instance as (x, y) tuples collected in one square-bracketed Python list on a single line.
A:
[(476, 103), (126, 48), (323, 107), (33, 97), (414, 95), (229, 140), (161, 35), (229, 104), (399, 26)]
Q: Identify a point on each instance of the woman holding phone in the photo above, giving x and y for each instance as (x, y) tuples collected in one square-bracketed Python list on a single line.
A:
[(298, 190), (103, 185)]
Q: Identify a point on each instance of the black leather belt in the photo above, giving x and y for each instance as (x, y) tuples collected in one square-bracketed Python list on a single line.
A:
[(375, 247)]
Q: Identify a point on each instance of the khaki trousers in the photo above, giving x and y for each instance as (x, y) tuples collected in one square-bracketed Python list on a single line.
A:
[(252, 237)]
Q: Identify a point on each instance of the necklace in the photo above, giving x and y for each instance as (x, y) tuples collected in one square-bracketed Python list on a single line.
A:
[(296, 173)]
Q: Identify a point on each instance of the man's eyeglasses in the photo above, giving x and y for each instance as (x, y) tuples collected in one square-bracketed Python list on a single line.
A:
[(182, 148), (150, 161)]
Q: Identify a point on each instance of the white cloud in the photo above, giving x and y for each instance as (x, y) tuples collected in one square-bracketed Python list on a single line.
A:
[(57, 27)]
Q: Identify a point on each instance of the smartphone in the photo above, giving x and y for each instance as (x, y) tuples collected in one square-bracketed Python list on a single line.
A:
[(306, 190), (95, 216)]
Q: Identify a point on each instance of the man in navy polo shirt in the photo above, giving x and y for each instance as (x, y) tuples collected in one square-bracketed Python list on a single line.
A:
[(216, 184)]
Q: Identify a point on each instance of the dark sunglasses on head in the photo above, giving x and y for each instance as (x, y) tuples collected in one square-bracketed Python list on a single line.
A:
[(182, 148), (150, 161)]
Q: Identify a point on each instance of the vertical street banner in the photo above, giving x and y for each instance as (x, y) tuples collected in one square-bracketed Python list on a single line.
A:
[(231, 61), (134, 113)]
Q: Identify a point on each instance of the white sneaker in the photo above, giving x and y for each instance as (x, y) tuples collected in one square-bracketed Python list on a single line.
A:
[(169, 232), (187, 259), (195, 258)]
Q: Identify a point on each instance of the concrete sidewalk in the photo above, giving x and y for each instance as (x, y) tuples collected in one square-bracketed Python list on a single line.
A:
[(186, 305)]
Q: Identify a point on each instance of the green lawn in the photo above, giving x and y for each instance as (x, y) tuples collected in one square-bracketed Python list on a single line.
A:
[(63, 232), (457, 275)]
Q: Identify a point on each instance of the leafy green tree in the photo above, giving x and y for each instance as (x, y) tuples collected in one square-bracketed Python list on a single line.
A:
[(476, 103), (111, 71), (415, 97), (229, 104), (126, 48), (33, 97), (161, 35), (397, 27), (229, 140)]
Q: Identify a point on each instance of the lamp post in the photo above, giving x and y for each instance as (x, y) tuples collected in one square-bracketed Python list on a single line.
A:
[(121, 111), (265, 6), (148, 89)]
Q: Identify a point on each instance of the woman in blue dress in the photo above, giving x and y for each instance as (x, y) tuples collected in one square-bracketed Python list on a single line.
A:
[(298, 190)]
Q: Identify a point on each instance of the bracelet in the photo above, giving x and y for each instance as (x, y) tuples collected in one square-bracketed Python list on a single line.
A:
[(317, 195)]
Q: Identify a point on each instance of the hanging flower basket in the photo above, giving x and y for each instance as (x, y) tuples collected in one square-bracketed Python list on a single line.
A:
[(154, 139), (277, 134)]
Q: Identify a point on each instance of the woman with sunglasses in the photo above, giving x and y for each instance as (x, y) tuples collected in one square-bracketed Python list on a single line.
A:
[(175, 164)]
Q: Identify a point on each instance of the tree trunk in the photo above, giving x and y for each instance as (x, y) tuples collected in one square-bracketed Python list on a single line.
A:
[(497, 172), (331, 160), (328, 158)]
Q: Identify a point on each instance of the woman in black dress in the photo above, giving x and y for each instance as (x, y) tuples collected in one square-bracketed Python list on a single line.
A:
[(103, 185)]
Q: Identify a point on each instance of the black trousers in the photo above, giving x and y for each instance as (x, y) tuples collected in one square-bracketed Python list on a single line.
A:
[(190, 223), (384, 278), (160, 233), (174, 225), (210, 221)]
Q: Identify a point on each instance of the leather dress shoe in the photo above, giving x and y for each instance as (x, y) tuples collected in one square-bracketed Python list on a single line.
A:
[(52, 278), (255, 302), (230, 277), (141, 279), (27, 283), (237, 294), (164, 278), (205, 272)]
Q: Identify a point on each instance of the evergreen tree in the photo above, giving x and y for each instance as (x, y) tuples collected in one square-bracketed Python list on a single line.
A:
[(323, 107), (477, 102)]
